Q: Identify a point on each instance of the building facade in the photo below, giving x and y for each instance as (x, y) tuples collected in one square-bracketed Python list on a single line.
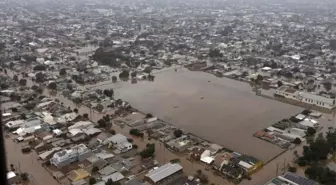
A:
[(66, 157), (306, 98)]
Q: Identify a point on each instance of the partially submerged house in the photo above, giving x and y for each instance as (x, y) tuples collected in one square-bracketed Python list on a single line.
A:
[(167, 174), (65, 157)]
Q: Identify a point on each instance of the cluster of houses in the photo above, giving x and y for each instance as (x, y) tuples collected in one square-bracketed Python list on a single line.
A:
[(76, 150), (231, 165), (306, 99), (287, 132)]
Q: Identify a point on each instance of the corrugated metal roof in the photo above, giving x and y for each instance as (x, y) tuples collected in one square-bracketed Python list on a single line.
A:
[(298, 179), (164, 171)]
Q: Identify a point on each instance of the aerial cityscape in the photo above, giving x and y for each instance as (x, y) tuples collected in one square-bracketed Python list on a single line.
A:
[(168, 92)]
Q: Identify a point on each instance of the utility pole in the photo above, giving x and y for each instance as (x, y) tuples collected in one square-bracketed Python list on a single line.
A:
[(284, 168)]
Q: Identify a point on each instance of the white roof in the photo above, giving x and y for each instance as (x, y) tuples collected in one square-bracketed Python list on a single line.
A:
[(300, 117), (164, 171), (49, 119), (245, 164), (118, 138), (312, 120), (10, 175), (81, 125), (15, 123), (206, 153), (75, 131), (317, 98), (266, 68), (152, 119), (307, 123), (6, 114), (104, 155), (57, 131), (207, 160), (92, 131), (44, 104), (7, 91)]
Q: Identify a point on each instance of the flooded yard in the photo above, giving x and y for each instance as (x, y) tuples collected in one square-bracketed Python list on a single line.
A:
[(220, 110)]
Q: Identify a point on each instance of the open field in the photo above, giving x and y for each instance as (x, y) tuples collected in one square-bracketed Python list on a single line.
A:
[(220, 110)]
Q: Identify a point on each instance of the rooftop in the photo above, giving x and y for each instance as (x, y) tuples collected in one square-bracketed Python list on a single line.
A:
[(164, 171)]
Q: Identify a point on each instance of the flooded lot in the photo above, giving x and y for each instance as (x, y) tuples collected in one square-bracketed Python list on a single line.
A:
[(220, 110)]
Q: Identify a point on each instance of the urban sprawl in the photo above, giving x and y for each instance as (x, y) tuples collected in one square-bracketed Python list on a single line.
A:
[(168, 92)]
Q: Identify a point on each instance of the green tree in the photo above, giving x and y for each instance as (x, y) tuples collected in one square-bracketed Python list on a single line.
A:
[(178, 133), (62, 72), (92, 181), (95, 169), (279, 83), (133, 74), (327, 86), (124, 74), (40, 77), (109, 92), (114, 79), (24, 176), (75, 111), (311, 131), (110, 182), (149, 151), (52, 86), (259, 79), (148, 69), (86, 116), (102, 123), (40, 67), (292, 169), (23, 82), (15, 78)]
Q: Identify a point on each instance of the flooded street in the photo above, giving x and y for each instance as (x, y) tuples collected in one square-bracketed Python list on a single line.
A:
[(27, 163)]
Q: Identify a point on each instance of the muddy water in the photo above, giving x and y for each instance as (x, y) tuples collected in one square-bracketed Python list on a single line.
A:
[(226, 107), (161, 154), (221, 110)]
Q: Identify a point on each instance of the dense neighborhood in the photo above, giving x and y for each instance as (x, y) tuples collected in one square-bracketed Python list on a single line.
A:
[(168, 92)]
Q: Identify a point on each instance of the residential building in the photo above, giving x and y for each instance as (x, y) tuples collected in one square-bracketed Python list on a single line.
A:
[(65, 157), (117, 176), (222, 159), (179, 144), (168, 174), (291, 179), (77, 175), (248, 163), (120, 142), (116, 139), (306, 98), (12, 178)]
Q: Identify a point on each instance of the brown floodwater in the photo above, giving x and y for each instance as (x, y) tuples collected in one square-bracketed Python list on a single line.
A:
[(220, 110)]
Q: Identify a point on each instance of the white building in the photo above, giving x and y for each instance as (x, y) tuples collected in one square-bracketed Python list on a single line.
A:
[(305, 97), (120, 142), (65, 157)]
